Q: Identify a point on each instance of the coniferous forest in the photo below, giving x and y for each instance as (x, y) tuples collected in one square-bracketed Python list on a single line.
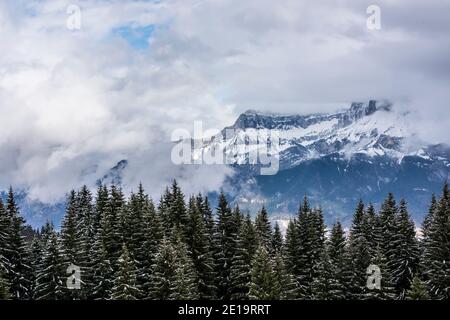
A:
[(133, 248)]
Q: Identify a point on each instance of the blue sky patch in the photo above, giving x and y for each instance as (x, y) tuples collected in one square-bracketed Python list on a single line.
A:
[(137, 37)]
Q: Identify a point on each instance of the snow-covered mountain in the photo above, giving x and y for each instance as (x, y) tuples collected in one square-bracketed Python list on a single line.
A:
[(364, 152), (365, 128)]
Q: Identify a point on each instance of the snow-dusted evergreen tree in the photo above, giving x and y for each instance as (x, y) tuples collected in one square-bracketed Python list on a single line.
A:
[(86, 234), (35, 258), (163, 272), (153, 234), (112, 233), (184, 286), (69, 231), (277, 240), (262, 278), (284, 284), (311, 244), (372, 230), (404, 261), (336, 248), (241, 262), (5, 225), (125, 284), (436, 253), (263, 229), (290, 247), (418, 290), (198, 241), (225, 243), (358, 256), (102, 271), (51, 275), (70, 240), (4, 287), (18, 269)]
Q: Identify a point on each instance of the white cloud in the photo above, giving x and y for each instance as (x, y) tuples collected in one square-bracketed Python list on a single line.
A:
[(73, 103)]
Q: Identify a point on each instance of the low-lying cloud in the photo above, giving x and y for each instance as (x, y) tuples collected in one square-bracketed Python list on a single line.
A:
[(75, 102)]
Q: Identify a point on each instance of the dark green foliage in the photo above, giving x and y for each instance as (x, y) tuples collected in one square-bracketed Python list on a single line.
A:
[(125, 284), (128, 250)]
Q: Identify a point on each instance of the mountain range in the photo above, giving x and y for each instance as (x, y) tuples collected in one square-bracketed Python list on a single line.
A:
[(364, 151)]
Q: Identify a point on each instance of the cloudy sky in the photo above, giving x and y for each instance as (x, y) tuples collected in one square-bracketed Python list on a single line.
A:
[(74, 101)]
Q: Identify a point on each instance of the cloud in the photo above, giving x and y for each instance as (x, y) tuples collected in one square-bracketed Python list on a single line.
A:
[(74, 103)]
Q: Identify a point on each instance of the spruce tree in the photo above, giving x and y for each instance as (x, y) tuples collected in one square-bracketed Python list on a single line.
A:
[(277, 240), (436, 254), (153, 235), (404, 261), (4, 287), (262, 277), (198, 241), (290, 247), (418, 290), (125, 287), (163, 272), (184, 286), (86, 234), (225, 243), (284, 284), (241, 262), (17, 257), (311, 244), (263, 229), (336, 248), (51, 275), (358, 255)]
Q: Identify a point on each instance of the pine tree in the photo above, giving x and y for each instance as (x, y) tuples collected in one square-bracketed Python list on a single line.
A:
[(17, 257), (263, 229), (198, 240), (184, 286), (336, 248), (102, 272), (284, 284), (51, 275), (436, 253), (5, 228), (311, 244), (241, 261), (418, 290), (358, 255), (404, 261), (153, 235), (277, 240), (225, 243), (125, 287), (85, 234), (325, 282), (4, 287), (164, 271), (290, 247), (35, 263), (262, 280), (70, 241)]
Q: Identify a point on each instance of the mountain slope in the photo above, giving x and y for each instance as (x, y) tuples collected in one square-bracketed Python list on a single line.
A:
[(363, 152)]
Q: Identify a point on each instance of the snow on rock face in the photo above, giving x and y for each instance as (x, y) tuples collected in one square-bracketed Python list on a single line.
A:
[(370, 128)]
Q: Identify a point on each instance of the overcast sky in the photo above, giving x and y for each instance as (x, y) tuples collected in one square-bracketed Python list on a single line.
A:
[(75, 102)]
